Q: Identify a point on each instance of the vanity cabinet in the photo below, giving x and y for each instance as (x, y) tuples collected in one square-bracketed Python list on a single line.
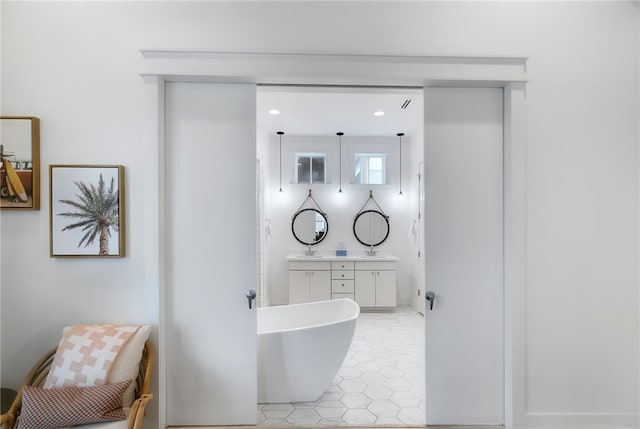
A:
[(368, 282), (342, 280), (375, 283), (309, 281)]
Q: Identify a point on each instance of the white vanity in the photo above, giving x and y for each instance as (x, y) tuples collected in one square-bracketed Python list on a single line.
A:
[(368, 280)]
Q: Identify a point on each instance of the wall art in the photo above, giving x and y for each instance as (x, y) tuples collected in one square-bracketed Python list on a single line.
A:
[(86, 206), (19, 162)]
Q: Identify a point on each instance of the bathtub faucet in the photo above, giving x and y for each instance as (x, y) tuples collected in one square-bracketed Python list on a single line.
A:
[(371, 252), (310, 252)]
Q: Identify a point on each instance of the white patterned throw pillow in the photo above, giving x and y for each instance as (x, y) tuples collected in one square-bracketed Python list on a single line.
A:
[(93, 355)]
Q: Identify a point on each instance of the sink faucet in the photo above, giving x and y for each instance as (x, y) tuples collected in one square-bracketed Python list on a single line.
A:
[(310, 252), (371, 252)]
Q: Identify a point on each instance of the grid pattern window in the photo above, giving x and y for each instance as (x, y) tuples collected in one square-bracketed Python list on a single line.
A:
[(370, 168), (311, 167)]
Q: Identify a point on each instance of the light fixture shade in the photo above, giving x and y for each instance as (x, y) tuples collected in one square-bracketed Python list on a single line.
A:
[(400, 146), (280, 134)]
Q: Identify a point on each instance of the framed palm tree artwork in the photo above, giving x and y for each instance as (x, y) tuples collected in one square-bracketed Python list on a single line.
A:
[(86, 211)]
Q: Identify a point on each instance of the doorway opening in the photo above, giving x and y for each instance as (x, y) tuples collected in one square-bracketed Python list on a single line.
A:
[(381, 382), (207, 102)]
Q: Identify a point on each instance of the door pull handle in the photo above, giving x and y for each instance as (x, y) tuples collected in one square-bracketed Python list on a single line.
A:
[(431, 297), (251, 295)]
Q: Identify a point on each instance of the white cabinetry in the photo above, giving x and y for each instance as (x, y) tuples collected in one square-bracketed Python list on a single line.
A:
[(309, 281), (375, 283), (371, 283), (342, 283)]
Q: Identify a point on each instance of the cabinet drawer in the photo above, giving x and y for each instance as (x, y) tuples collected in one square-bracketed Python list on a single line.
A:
[(342, 274), (342, 295), (310, 265), (342, 265), (375, 265), (342, 286)]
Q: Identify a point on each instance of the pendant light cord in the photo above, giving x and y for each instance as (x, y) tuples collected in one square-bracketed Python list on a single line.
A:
[(340, 134), (280, 133), (400, 137)]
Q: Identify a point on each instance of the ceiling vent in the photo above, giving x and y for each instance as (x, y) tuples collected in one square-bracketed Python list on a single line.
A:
[(406, 103)]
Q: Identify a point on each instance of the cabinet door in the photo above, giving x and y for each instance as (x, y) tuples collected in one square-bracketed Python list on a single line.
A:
[(365, 288), (298, 287), (385, 288), (319, 285)]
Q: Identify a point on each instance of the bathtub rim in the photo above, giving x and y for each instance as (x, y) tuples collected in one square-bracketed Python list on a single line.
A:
[(355, 305)]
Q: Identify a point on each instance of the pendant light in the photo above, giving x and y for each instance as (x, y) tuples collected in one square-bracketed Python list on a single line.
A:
[(400, 144), (280, 134), (340, 134)]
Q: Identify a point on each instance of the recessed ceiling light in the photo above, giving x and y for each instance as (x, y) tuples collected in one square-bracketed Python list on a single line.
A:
[(378, 113), (274, 112)]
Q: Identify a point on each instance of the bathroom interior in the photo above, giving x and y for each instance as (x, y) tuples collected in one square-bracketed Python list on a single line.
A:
[(346, 163)]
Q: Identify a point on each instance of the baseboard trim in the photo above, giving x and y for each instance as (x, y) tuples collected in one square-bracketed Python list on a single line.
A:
[(578, 420)]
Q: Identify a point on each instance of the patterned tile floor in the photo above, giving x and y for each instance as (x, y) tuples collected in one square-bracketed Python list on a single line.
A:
[(381, 381)]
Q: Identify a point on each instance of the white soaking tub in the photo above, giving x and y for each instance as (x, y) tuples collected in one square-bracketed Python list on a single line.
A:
[(301, 347)]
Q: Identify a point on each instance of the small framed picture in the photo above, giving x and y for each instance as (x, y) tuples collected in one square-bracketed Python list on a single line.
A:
[(19, 162), (86, 211)]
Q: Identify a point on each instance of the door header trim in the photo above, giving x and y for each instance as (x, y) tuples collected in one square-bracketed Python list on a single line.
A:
[(333, 69)]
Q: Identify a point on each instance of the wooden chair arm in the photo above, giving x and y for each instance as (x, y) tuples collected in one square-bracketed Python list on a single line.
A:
[(7, 420), (138, 409)]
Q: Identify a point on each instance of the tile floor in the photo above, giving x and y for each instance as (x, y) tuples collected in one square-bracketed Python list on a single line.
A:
[(376, 427), (381, 381)]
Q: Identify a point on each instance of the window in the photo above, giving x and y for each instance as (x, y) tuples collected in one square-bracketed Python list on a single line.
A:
[(370, 168), (310, 167)]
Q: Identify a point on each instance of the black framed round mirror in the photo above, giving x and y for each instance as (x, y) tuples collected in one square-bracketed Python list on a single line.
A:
[(309, 226), (371, 227)]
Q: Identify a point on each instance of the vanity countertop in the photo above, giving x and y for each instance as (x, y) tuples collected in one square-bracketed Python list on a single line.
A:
[(341, 258)]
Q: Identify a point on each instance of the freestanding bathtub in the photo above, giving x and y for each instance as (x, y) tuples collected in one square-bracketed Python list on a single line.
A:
[(301, 347)]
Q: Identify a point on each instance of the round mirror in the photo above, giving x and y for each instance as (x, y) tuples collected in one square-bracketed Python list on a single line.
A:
[(309, 226), (371, 227)]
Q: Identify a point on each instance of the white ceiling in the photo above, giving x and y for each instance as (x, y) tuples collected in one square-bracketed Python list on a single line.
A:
[(323, 111)]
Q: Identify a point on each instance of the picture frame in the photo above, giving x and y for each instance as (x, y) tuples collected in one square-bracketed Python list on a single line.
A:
[(19, 163), (86, 211)]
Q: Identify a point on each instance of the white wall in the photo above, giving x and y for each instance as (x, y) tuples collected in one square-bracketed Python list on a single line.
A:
[(340, 208), (75, 66), (266, 238)]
